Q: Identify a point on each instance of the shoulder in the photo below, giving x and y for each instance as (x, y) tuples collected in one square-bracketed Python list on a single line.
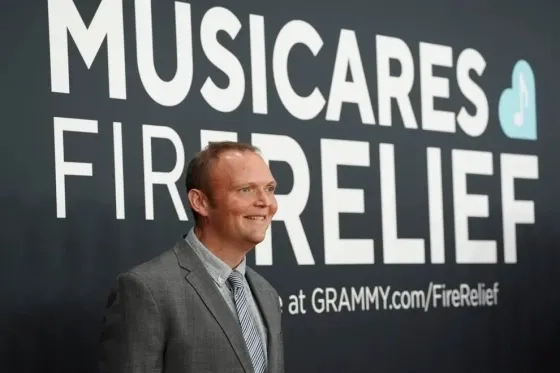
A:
[(155, 273), (156, 267), (262, 282)]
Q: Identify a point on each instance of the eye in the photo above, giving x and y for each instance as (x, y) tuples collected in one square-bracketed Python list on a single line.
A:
[(245, 189)]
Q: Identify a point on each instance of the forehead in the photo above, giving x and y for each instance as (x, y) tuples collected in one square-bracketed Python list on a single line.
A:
[(236, 167)]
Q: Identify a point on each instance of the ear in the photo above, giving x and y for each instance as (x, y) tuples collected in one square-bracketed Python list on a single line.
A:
[(198, 201)]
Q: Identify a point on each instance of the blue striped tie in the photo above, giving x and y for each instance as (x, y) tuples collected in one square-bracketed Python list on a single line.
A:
[(248, 327)]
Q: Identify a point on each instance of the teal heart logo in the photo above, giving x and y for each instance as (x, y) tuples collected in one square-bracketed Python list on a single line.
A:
[(517, 107)]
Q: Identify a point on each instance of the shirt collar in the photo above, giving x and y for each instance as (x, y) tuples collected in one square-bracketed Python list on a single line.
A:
[(216, 267)]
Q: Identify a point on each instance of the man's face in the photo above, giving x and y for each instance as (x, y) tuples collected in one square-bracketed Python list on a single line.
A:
[(243, 201)]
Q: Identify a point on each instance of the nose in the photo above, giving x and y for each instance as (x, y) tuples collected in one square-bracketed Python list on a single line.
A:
[(264, 198)]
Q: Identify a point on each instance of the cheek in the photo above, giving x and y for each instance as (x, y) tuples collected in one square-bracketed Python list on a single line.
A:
[(238, 208), (273, 205)]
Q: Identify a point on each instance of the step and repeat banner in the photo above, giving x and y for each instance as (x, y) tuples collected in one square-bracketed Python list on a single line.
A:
[(415, 145)]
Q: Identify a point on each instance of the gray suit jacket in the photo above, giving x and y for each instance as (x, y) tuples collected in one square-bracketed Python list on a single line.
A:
[(168, 316)]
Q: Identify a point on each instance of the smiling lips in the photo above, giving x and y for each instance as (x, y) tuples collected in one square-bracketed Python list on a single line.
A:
[(256, 217)]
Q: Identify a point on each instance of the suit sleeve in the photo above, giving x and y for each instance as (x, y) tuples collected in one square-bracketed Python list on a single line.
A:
[(132, 336)]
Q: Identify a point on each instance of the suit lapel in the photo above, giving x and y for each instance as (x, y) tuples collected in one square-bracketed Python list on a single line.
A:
[(268, 306), (203, 284), (265, 300)]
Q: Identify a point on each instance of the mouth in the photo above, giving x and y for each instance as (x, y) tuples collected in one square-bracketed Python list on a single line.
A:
[(256, 217)]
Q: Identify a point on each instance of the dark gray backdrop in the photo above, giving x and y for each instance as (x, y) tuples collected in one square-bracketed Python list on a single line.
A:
[(55, 272)]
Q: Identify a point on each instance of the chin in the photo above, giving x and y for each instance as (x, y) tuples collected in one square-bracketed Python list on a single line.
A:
[(256, 238)]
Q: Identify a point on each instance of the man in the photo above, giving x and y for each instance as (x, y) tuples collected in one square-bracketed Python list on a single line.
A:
[(198, 307)]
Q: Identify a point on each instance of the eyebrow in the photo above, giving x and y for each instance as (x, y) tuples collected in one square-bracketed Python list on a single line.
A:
[(270, 183)]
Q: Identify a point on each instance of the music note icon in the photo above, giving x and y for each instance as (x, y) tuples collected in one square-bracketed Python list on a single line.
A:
[(517, 108), (519, 116)]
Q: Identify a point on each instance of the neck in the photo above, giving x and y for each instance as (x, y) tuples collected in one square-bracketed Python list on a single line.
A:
[(223, 249)]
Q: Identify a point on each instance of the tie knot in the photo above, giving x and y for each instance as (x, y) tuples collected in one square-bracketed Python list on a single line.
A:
[(236, 279)]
